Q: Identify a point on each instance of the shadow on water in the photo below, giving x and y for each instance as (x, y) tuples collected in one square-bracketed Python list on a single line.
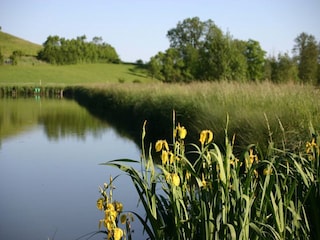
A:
[(126, 120)]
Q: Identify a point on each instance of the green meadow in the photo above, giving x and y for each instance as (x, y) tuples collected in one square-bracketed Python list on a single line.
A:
[(66, 75)]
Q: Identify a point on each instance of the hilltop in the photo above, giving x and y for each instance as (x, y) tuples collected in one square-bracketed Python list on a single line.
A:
[(10, 43)]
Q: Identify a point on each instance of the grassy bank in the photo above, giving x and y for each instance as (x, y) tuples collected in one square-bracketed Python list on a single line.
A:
[(66, 75), (257, 112)]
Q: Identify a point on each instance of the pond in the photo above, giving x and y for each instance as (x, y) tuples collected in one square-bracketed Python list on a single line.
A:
[(50, 150)]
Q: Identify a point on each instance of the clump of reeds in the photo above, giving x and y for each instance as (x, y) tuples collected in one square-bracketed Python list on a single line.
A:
[(219, 194)]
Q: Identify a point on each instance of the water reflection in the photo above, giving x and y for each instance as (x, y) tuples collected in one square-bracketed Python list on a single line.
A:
[(60, 118), (50, 172)]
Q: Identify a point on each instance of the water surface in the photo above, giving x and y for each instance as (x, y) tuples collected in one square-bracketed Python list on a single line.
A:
[(50, 152)]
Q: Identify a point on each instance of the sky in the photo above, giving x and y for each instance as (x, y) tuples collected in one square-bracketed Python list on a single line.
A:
[(137, 28)]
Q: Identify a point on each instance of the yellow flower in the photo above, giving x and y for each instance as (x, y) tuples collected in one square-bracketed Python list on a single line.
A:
[(110, 207), (180, 131), (234, 162), (172, 157), (100, 204), (267, 171), (118, 233), (310, 146), (108, 225), (204, 183), (168, 177), (164, 157), (119, 206), (253, 157), (161, 144), (206, 136), (175, 179), (110, 213), (188, 175)]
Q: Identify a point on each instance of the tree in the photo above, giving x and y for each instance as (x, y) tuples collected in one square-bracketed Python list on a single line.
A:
[(255, 60), (282, 68), (214, 54), (155, 66), (187, 38), (97, 40), (201, 51), (307, 54), (172, 65), (63, 51), (238, 61)]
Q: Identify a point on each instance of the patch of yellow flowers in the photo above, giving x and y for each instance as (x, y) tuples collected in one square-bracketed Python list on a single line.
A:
[(112, 212), (170, 158)]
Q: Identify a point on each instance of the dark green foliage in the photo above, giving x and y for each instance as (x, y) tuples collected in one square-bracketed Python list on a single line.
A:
[(201, 51), (63, 51), (281, 69), (255, 60), (307, 52)]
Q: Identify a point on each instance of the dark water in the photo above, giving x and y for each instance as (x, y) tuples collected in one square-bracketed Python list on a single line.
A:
[(50, 152)]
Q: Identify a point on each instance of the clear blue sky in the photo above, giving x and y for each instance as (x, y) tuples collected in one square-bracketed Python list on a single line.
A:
[(137, 28)]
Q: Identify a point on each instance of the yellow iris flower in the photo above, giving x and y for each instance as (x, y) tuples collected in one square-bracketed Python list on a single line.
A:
[(117, 233), (164, 157), (175, 179), (119, 206), (100, 204), (206, 136), (180, 131), (161, 144)]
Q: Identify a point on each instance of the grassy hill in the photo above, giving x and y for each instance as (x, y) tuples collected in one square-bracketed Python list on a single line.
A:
[(66, 75), (30, 71), (10, 43)]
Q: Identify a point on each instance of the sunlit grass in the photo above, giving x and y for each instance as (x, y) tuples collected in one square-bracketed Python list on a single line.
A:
[(66, 75), (253, 108)]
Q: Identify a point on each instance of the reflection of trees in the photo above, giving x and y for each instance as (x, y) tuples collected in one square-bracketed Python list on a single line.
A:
[(75, 123), (60, 118)]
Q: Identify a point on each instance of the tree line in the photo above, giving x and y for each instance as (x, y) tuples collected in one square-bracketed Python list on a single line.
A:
[(200, 50), (61, 51)]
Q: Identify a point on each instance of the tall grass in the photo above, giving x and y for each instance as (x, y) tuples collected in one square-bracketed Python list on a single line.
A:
[(253, 108), (221, 194)]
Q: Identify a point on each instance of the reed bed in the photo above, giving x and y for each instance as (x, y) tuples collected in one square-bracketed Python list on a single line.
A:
[(220, 195), (257, 111)]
